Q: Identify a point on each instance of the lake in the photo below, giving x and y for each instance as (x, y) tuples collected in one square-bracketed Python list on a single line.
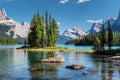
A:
[(15, 65), (83, 47)]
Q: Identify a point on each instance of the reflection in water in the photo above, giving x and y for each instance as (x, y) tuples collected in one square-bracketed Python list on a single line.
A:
[(44, 70), (15, 64), (107, 68), (34, 57)]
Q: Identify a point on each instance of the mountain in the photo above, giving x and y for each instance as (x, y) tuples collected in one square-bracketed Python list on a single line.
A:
[(95, 28), (116, 25), (98, 26), (71, 34), (12, 28)]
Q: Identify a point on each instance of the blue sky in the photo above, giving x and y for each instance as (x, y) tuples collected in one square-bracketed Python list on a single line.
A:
[(68, 13)]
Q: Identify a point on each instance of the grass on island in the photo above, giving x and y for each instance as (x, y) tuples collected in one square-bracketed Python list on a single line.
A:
[(58, 49)]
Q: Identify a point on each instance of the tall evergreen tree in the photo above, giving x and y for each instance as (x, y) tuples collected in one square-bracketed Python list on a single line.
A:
[(43, 32), (53, 32), (32, 32), (97, 44), (46, 29), (110, 35), (103, 37), (38, 32)]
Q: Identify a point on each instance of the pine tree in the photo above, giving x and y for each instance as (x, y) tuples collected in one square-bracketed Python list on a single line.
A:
[(32, 32), (110, 35), (103, 38), (50, 31), (43, 32), (53, 32), (97, 44), (38, 32), (46, 29)]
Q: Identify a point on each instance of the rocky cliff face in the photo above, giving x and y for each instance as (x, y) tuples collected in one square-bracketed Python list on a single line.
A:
[(15, 28)]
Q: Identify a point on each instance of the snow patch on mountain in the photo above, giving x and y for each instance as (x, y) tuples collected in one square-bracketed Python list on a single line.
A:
[(71, 34), (19, 30), (98, 26)]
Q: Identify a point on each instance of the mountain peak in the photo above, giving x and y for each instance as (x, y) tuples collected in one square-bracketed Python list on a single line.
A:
[(119, 13), (15, 28), (3, 14), (71, 34)]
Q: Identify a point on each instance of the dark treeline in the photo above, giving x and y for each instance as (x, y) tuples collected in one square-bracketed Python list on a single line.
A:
[(7, 41), (43, 31), (89, 40)]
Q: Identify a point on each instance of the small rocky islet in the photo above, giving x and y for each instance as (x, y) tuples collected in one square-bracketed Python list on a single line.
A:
[(54, 59)]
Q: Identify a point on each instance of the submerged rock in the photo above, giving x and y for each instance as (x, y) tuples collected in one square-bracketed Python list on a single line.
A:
[(85, 73), (33, 68), (75, 67), (54, 59)]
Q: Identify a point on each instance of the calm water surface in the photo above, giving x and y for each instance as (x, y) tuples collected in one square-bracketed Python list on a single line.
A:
[(15, 65)]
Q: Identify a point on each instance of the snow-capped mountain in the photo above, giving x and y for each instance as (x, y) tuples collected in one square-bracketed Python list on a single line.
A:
[(116, 24), (98, 26), (71, 34), (14, 28), (95, 28)]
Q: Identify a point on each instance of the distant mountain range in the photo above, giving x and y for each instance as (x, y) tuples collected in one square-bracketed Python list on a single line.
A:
[(96, 27), (12, 28), (115, 25), (71, 34)]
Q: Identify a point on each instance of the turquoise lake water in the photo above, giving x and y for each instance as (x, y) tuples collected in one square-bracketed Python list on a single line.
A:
[(83, 47), (15, 65), (64, 46)]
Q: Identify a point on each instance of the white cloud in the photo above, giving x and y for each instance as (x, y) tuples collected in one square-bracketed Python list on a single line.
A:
[(95, 21), (58, 23), (63, 1), (82, 1)]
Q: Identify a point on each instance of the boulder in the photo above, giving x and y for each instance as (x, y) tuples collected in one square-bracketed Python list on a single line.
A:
[(75, 67), (54, 59)]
